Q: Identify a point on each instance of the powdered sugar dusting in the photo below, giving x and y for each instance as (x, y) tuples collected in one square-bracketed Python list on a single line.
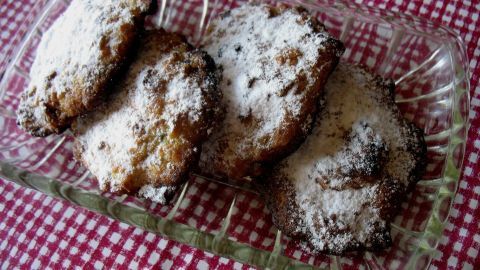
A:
[(156, 194), (357, 143), (339, 210), (262, 55), (77, 52), (142, 138), (183, 99), (182, 94)]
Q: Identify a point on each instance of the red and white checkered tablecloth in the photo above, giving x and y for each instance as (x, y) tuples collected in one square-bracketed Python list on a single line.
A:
[(39, 232)]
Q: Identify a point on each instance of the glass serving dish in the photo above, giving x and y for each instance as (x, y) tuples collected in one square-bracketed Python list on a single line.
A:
[(427, 62)]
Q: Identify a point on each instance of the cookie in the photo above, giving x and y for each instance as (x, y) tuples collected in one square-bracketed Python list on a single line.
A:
[(147, 136), (76, 59), (274, 63), (341, 189)]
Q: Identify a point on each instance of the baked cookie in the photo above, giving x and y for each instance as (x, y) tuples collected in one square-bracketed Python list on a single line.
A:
[(274, 62), (147, 136), (76, 59), (342, 187)]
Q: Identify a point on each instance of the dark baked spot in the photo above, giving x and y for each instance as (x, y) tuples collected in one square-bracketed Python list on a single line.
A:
[(102, 145), (238, 48), (251, 82)]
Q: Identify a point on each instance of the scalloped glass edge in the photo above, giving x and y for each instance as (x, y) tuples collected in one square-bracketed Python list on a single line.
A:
[(219, 243)]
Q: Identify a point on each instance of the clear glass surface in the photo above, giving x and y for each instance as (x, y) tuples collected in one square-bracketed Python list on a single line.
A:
[(427, 62)]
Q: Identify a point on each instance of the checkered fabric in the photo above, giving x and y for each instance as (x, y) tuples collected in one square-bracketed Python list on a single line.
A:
[(40, 232)]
